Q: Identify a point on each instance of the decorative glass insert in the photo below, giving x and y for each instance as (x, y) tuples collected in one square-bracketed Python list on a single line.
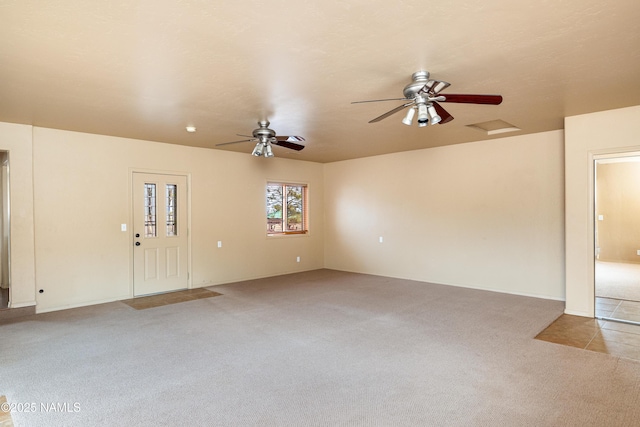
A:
[(150, 228), (172, 200)]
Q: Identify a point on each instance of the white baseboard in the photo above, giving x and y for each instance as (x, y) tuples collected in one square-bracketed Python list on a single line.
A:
[(21, 304), (578, 313), (77, 305)]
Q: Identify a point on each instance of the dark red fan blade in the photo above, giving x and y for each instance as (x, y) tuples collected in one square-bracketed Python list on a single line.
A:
[(388, 113), (287, 144), (444, 114), (290, 138), (472, 99)]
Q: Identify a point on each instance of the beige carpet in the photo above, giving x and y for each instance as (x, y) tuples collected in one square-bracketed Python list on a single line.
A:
[(618, 280), (322, 348)]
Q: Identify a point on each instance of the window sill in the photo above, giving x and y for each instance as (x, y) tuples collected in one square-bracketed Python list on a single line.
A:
[(288, 233)]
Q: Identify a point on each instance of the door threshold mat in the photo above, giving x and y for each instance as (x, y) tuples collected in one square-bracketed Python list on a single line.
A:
[(151, 301), (5, 413)]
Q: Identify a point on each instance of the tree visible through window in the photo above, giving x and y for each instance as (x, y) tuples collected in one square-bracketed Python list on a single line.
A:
[(286, 208)]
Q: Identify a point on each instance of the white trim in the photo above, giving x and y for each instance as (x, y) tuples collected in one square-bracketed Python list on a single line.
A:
[(478, 288), (577, 313), (593, 156), (21, 304), (80, 304)]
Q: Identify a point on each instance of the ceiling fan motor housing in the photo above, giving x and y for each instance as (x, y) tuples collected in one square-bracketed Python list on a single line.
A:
[(419, 79), (263, 133)]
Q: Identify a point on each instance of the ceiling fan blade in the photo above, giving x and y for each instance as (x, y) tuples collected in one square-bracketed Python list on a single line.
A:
[(235, 142), (473, 99), (378, 100), (287, 144), (388, 113), (246, 136), (290, 138), (444, 114)]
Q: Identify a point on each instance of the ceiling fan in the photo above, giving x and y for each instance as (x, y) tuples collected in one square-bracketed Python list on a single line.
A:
[(265, 137), (422, 96)]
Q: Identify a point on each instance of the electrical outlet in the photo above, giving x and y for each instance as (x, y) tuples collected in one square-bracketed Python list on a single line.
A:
[(380, 239), (638, 252), (219, 243), (297, 259)]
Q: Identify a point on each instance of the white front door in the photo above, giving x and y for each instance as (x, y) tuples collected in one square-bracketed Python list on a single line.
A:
[(160, 252)]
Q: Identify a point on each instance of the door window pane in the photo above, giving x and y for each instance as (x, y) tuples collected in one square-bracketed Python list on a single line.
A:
[(172, 200), (150, 229)]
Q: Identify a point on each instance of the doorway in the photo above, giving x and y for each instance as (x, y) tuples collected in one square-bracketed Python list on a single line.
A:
[(5, 276), (617, 238), (160, 224)]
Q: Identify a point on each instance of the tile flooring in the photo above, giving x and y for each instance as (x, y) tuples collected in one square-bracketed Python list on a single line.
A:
[(141, 303), (604, 336), (618, 309)]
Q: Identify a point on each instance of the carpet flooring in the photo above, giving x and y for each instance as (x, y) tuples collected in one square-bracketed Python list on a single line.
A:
[(617, 280), (313, 349)]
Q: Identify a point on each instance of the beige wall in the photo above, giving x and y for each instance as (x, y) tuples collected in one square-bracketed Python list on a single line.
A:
[(587, 137), (17, 140), (618, 204), (485, 215), (82, 196)]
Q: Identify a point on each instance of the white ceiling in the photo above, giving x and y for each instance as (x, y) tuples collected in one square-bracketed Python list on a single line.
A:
[(146, 69)]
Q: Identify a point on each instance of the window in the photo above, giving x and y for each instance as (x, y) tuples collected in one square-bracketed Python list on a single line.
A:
[(286, 208)]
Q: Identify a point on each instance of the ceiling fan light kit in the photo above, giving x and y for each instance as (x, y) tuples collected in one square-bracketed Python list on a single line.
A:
[(423, 96), (408, 120)]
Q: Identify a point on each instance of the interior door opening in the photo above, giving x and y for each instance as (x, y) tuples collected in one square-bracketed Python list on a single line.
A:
[(5, 218), (617, 238)]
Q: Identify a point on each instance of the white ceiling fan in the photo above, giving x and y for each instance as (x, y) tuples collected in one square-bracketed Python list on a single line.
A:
[(266, 137)]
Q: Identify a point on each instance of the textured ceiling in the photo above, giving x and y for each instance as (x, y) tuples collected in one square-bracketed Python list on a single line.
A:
[(146, 69)]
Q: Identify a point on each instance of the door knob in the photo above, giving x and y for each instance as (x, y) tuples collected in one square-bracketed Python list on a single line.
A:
[(137, 234), (137, 243)]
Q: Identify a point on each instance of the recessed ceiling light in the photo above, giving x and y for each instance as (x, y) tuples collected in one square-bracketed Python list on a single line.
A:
[(494, 127), (191, 128)]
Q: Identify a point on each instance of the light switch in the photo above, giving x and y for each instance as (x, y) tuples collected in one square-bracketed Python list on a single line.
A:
[(219, 243), (600, 217), (123, 227)]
